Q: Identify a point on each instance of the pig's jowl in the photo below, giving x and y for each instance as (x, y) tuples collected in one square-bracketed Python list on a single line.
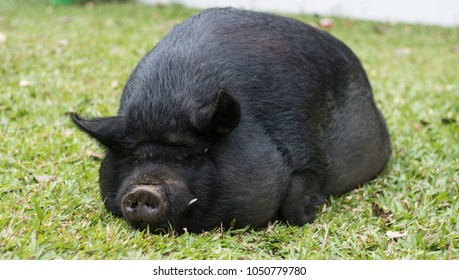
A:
[(238, 118)]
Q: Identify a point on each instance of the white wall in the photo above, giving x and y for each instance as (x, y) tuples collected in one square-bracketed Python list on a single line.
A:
[(438, 12)]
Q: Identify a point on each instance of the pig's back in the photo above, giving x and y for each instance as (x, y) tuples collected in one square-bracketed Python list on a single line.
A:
[(255, 56), (287, 76)]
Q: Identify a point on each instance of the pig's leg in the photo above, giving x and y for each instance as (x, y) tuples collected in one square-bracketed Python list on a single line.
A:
[(359, 144), (302, 198)]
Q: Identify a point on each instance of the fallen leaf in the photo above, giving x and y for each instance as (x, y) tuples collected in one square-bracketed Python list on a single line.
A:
[(382, 29), (326, 23), (219, 232), (62, 20), (424, 122), (94, 155), (109, 22), (115, 84), (448, 120), (417, 126), (62, 43), (379, 212), (402, 51), (272, 228), (155, 15), (70, 112), (2, 38), (68, 132), (396, 234), (24, 83), (44, 178)]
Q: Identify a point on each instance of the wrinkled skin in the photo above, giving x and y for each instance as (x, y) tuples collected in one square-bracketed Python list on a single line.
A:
[(238, 118)]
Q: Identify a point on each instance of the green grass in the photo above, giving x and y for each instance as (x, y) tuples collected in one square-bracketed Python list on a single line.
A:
[(76, 58)]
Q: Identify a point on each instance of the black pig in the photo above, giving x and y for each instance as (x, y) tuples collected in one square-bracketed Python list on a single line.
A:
[(238, 118)]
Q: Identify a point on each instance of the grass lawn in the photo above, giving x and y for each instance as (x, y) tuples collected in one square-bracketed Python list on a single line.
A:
[(55, 60)]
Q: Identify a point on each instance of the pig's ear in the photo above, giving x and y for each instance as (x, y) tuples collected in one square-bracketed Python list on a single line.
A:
[(108, 130), (221, 116)]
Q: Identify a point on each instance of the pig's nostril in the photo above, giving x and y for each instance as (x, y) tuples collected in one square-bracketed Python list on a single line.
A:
[(148, 204), (134, 204)]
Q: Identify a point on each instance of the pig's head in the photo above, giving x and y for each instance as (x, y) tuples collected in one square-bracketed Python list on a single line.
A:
[(158, 171)]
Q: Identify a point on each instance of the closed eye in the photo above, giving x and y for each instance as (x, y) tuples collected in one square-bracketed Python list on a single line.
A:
[(182, 158), (167, 153)]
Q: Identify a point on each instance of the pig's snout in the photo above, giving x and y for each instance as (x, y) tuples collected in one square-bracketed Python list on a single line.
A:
[(145, 206)]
